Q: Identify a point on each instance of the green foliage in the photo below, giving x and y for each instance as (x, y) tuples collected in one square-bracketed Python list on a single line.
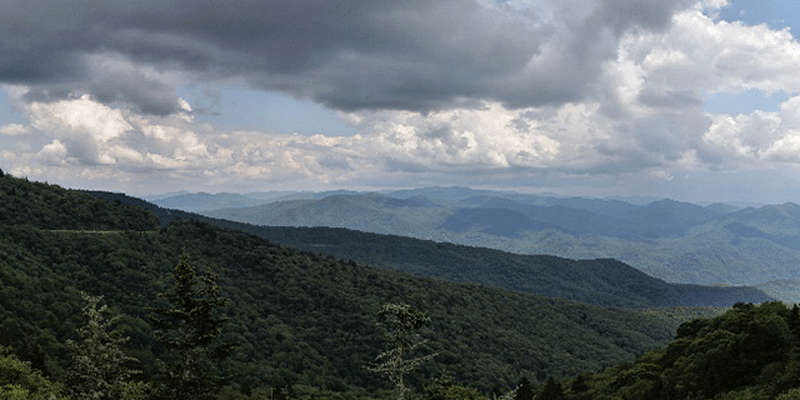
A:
[(524, 390), (750, 352), (301, 318), (304, 322), (51, 207), (551, 390), (100, 370), (401, 322), (19, 381), (792, 394), (190, 330), (445, 388)]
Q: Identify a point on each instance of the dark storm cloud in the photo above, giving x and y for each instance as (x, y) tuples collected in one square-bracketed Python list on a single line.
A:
[(347, 54)]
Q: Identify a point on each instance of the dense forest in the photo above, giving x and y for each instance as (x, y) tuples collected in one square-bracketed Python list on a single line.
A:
[(303, 325)]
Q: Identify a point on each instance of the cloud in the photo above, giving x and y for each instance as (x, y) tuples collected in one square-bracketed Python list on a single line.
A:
[(646, 116), (766, 137), (349, 55), (15, 130), (113, 79), (657, 84), (84, 132)]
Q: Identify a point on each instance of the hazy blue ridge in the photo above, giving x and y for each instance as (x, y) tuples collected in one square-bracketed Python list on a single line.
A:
[(672, 240), (196, 202)]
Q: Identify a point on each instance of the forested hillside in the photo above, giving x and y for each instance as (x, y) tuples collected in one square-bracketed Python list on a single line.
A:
[(51, 207), (749, 353), (603, 282), (300, 320)]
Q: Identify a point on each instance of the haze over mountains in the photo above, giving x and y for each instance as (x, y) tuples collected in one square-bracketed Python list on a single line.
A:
[(675, 241)]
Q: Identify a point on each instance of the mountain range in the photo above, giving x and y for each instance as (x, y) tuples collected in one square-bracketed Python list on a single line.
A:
[(716, 244)]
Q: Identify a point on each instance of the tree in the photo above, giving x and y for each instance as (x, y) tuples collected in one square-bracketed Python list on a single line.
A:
[(190, 331), (20, 381), (445, 388), (524, 390), (100, 370), (552, 390), (400, 321)]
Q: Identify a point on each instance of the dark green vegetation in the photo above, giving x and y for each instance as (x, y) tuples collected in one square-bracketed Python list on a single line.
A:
[(33, 204), (671, 240), (100, 369), (19, 381), (749, 353), (300, 320), (190, 329), (604, 282)]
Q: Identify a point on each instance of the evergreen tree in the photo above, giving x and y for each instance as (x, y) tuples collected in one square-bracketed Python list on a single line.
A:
[(190, 331), (400, 321), (100, 370), (552, 390), (524, 390)]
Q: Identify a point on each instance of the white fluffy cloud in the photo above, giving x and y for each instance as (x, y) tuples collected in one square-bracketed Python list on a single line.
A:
[(89, 133), (15, 130)]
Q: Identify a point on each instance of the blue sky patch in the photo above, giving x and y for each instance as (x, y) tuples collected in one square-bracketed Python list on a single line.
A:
[(745, 102)]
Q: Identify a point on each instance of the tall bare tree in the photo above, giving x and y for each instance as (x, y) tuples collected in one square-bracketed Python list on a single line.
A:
[(401, 322)]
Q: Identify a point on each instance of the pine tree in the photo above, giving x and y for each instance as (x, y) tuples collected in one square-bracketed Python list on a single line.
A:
[(552, 390), (524, 390), (100, 370), (400, 321), (190, 331)]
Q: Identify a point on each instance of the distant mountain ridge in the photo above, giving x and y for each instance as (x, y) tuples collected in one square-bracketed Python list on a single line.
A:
[(196, 202), (672, 240)]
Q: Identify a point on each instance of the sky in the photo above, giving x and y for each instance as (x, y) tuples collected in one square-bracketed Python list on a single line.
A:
[(691, 100)]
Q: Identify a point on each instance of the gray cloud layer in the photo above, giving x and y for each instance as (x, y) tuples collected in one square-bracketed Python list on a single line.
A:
[(347, 54)]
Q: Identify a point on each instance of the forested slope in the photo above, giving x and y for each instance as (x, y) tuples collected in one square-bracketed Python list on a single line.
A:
[(52, 207), (749, 353), (601, 281), (298, 318)]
